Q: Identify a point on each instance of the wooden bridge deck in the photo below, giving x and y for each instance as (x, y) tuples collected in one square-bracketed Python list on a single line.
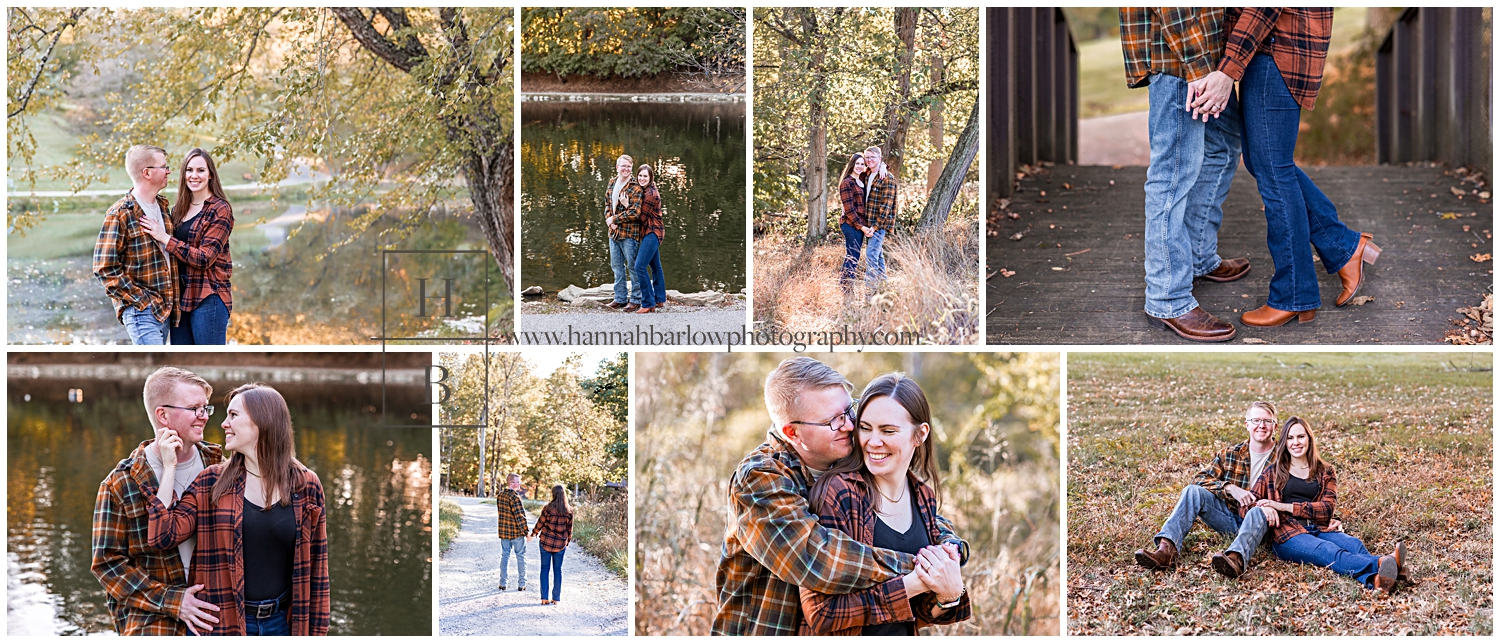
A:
[(1079, 276)]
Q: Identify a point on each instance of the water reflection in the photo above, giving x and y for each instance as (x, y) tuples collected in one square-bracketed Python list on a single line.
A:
[(376, 481), (568, 152)]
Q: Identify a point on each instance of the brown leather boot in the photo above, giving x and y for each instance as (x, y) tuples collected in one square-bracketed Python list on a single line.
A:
[(1165, 556), (1400, 555), (1197, 325), (1268, 317), (1385, 579), (1229, 270), (1229, 564), (1353, 273)]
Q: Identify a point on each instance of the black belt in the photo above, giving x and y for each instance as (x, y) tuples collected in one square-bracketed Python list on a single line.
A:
[(268, 607)]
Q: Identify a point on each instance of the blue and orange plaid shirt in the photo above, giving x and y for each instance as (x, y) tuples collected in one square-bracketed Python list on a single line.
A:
[(218, 560), (651, 214), (880, 205), (143, 584), (852, 198), (512, 518), (775, 547), (205, 263), (1296, 37), (136, 273), (1230, 467), (1318, 512), (848, 507), (553, 529), (1186, 42)]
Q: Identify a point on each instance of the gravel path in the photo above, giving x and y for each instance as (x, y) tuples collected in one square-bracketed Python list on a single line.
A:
[(709, 327), (595, 602)]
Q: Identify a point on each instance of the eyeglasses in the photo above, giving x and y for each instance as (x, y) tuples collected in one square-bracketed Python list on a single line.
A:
[(164, 168), (204, 411), (1260, 422), (838, 422)]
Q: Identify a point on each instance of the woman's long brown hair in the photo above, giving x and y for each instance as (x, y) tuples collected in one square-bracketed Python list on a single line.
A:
[(559, 502), (906, 392), (849, 168), (1281, 458), (184, 195), (274, 447)]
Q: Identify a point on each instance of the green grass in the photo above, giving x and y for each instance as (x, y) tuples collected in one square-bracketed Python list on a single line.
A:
[(450, 520)]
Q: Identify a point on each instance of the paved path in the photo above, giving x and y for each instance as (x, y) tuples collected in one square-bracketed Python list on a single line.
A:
[(1121, 139), (1079, 276), (595, 602)]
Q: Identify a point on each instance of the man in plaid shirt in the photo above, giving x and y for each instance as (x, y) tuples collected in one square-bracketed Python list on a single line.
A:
[(1215, 497), (775, 544), (880, 212), (147, 589), (137, 273), (512, 530), (1192, 163), (624, 236)]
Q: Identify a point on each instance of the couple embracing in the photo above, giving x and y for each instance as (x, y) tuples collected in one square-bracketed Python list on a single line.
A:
[(635, 225), (867, 192), (167, 268), (186, 542), (1281, 487), (834, 527), (1190, 58)]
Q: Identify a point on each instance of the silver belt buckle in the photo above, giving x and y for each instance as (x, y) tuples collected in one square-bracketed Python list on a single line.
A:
[(265, 610)]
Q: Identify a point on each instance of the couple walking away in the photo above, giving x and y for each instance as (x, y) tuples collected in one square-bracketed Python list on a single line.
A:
[(1293, 496), (554, 529), (1190, 59), (167, 268), (635, 224), (185, 542), (867, 191), (833, 520)]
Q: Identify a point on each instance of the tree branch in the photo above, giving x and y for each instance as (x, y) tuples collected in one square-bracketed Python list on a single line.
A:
[(404, 56), (41, 67)]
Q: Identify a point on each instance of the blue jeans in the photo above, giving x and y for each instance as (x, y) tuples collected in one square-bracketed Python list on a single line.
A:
[(621, 258), (1297, 212), (518, 547), (1340, 552), (274, 625), (648, 277), (875, 259), (1198, 503), (208, 324), (854, 244), (553, 561), (143, 328), (1192, 166)]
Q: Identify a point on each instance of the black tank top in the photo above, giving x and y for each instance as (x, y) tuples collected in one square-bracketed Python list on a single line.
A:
[(270, 537), (910, 542)]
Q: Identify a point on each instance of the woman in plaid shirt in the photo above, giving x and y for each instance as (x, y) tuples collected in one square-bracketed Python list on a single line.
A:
[(262, 553), (1298, 492), (648, 254), (555, 527), (199, 243), (852, 222), (882, 495)]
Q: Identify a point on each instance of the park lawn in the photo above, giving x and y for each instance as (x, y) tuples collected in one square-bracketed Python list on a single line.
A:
[(73, 235), (1410, 436), (450, 520)]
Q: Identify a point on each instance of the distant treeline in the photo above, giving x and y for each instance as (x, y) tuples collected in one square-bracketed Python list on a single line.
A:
[(632, 42)]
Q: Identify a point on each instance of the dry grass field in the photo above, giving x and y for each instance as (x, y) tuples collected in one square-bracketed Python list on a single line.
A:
[(1409, 435)]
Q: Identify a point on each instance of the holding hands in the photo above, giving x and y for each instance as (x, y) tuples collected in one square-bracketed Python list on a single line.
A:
[(1208, 96), (938, 568)]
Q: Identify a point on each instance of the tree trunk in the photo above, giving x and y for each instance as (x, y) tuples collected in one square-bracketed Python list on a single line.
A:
[(815, 173), (935, 132), (897, 119), (952, 179), (489, 173)]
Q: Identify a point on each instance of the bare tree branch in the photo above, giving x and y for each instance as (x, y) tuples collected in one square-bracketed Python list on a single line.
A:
[(41, 67)]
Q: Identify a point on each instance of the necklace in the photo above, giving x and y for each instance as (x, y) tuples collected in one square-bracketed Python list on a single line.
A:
[(889, 499), (247, 470)]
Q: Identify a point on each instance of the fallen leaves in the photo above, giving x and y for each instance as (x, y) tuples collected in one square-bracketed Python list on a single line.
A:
[(1361, 300), (1007, 273), (1476, 327), (1480, 258)]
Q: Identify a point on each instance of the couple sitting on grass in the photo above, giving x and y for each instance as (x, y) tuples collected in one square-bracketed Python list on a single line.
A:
[(1293, 496), (833, 520)]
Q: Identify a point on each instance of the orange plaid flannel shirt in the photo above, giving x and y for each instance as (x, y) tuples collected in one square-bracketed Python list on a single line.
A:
[(136, 273), (1296, 37), (1185, 42)]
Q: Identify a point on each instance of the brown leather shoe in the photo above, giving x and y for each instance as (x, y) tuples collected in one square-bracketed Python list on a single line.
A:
[(632, 307), (1353, 273), (615, 305), (1229, 270), (1197, 325), (1165, 556), (1229, 564), (1400, 555), (1385, 579), (1268, 317), (644, 310)]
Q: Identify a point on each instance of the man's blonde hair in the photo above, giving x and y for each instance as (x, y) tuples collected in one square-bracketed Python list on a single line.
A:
[(875, 149), (1264, 406), (138, 156), (625, 157), (785, 385), (161, 384)]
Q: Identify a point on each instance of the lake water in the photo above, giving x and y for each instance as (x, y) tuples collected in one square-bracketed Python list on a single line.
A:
[(568, 152), (376, 482)]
